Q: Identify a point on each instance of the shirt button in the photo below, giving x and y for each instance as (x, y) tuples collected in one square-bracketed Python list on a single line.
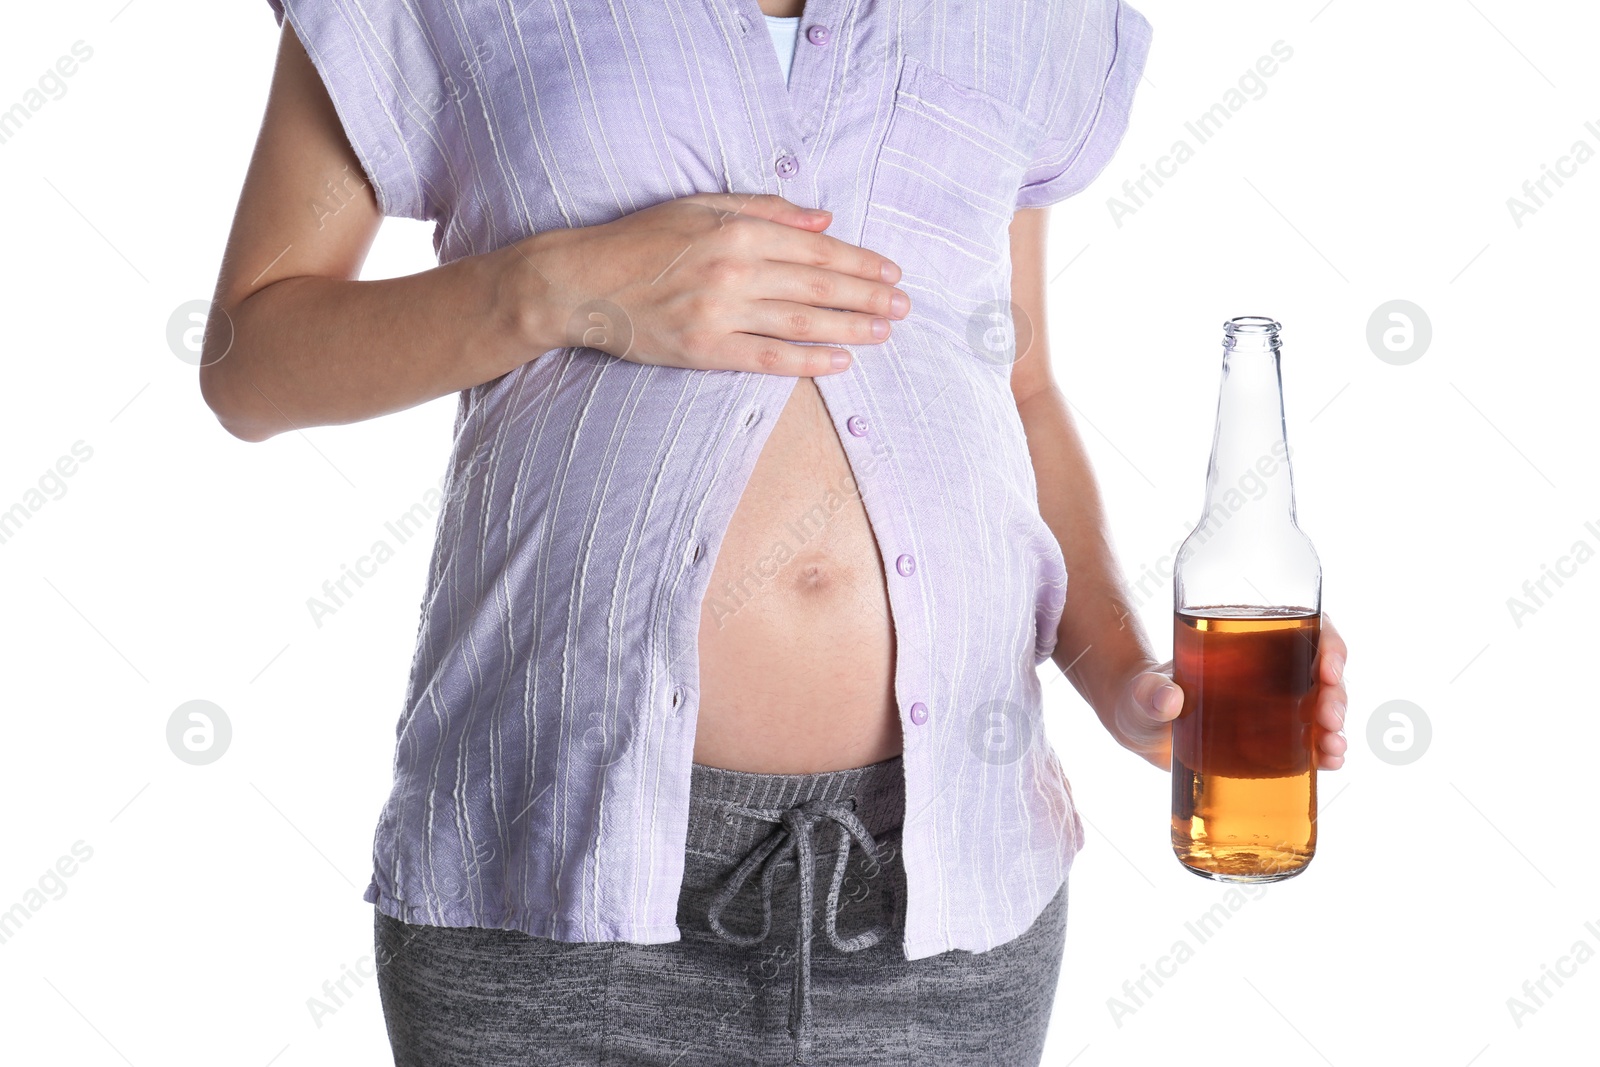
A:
[(919, 713), (787, 166), (856, 425), (906, 565), (818, 35)]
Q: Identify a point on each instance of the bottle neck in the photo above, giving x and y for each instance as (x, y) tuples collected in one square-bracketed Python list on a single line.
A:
[(1249, 483)]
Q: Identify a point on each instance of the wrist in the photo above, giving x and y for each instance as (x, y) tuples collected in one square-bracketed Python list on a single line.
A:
[(1102, 672), (1107, 678), (1119, 696), (525, 311)]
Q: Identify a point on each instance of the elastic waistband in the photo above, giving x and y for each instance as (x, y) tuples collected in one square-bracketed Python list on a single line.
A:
[(717, 795)]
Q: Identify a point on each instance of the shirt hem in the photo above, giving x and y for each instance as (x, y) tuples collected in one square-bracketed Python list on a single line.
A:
[(531, 921), (922, 948)]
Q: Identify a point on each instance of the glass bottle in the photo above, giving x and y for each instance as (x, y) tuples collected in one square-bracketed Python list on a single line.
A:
[(1246, 622)]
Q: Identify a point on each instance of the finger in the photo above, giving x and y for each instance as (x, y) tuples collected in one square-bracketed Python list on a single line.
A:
[(824, 288), (798, 322), (765, 206), (768, 355), (1332, 652), (1331, 708), (1334, 744), (791, 245), (1329, 763)]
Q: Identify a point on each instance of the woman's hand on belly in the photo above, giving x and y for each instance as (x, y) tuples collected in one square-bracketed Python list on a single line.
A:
[(711, 281)]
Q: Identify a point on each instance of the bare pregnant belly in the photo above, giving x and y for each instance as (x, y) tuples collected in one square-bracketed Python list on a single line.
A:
[(796, 642)]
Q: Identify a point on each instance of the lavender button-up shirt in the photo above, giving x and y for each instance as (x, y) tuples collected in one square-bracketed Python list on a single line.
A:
[(542, 768)]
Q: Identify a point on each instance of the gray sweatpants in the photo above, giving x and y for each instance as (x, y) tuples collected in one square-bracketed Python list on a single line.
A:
[(827, 984)]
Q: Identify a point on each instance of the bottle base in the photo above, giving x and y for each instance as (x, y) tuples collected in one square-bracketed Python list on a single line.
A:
[(1245, 865)]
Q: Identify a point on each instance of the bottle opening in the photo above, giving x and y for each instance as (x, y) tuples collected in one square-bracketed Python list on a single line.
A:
[(1251, 327)]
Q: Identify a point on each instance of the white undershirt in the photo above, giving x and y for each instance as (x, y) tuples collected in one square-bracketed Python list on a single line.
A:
[(785, 33)]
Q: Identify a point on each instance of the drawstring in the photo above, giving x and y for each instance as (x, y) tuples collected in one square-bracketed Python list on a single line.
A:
[(792, 835)]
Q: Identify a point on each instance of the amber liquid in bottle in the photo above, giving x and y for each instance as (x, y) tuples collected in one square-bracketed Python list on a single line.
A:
[(1244, 778), (1247, 617)]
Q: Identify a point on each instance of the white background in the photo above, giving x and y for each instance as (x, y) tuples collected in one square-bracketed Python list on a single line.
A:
[(1377, 166)]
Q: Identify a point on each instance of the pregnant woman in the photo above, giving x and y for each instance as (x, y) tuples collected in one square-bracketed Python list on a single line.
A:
[(722, 741)]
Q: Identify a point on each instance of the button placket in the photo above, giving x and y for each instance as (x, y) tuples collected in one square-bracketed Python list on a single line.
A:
[(818, 35), (798, 129)]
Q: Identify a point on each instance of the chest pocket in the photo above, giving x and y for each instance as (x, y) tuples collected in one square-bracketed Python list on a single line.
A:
[(944, 189)]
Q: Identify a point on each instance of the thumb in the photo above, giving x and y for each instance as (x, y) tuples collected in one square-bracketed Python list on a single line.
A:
[(1157, 696)]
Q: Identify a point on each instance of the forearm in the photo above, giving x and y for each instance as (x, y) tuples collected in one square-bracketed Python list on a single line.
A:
[(1100, 642), (317, 351)]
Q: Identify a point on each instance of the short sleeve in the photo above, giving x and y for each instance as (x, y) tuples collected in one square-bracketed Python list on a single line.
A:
[(1090, 104), (389, 88)]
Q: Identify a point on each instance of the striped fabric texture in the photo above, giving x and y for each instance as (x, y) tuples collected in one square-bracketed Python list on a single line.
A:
[(545, 744)]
